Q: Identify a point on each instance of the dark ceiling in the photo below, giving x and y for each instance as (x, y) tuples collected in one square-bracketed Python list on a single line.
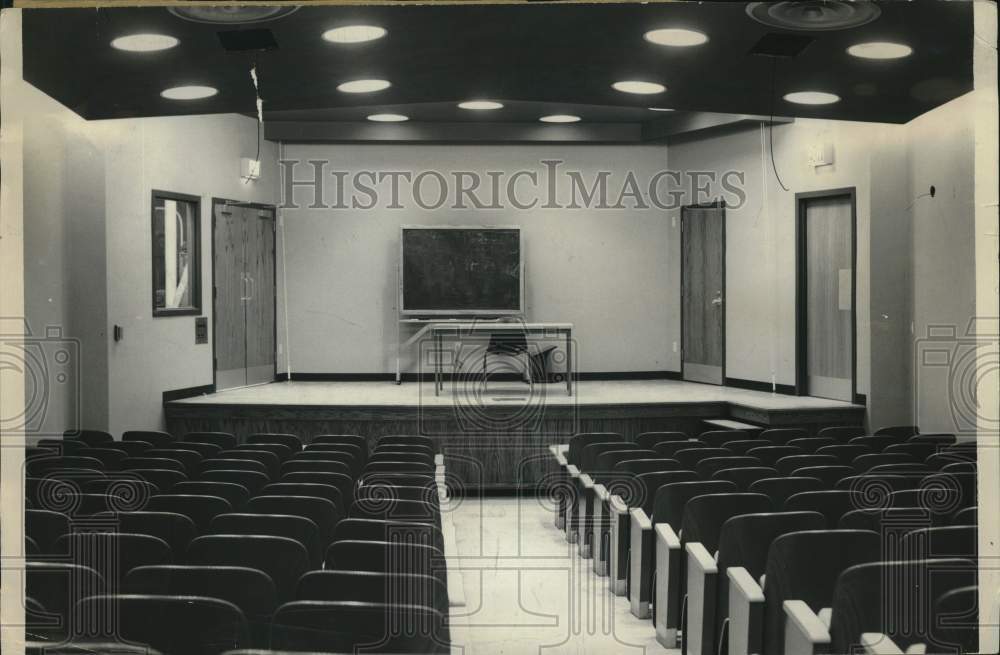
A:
[(536, 57)]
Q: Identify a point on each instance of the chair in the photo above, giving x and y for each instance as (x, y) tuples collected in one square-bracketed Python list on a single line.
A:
[(958, 613), (943, 458), (318, 510), (251, 480), (781, 436), (341, 481), (209, 625), (890, 520), (375, 493), (770, 455), (284, 560), (175, 529), (810, 445), (690, 457), (743, 446), (404, 479), (355, 627), (966, 516), (158, 439), (918, 451), (964, 483), (315, 466), (779, 489), (326, 491), (843, 434), (45, 527), (405, 448), (386, 557), (831, 504), (647, 440), (360, 455), (828, 475), (297, 528), (280, 450), (743, 477), (633, 467), (130, 448), (345, 454), (200, 509), (206, 450), (223, 440), (941, 439), (608, 460), (93, 549), (235, 494), (231, 464), (353, 529), (57, 447), (189, 459), (249, 589), (410, 439), (59, 585), (357, 440), (109, 458), (946, 541), (397, 510), (960, 467), (164, 479), (804, 567), (374, 587), (789, 463), (426, 461), (863, 463), (580, 441), (292, 441), (905, 431), (719, 438), (667, 449), (844, 452), (93, 438), (877, 443), (161, 463), (38, 466), (884, 484), (395, 467), (706, 468), (270, 461)]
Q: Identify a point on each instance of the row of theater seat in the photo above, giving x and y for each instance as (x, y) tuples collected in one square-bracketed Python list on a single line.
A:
[(689, 530), (203, 544)]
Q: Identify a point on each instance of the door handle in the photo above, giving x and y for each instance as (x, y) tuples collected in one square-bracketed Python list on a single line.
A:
[(250, 288), (718, 299)]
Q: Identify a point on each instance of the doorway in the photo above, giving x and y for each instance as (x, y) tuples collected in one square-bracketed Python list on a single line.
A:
[(243, 284), (826, 261), (703, 293)]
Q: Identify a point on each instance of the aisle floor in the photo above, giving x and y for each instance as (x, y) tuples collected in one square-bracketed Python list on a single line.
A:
[(526, 590)]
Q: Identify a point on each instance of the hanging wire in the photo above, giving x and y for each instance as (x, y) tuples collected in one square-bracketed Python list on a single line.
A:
[(770, 125)]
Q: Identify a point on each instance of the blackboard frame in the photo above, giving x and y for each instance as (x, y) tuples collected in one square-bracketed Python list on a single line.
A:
[(459, 312)]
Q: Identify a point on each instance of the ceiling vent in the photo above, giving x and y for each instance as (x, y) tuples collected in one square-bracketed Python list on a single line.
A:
[(779, 44), (814, 15), (247, 40), (229, 14)]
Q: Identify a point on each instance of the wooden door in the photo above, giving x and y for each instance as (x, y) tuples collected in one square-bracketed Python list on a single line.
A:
[(703, 280), (229, 244), (260, 298), (827, 224)]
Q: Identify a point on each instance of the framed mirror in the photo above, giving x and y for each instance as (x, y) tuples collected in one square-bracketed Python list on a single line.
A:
[(176, 230)]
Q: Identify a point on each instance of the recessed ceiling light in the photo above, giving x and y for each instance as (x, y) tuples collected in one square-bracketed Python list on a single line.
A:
[(189, 92), (363, 86), (659, 109), (144, 42), (480, 105), (635, 86), (880, 50), (674, 37), (812, 98), (354, 34), (388, 118), (560, 118)]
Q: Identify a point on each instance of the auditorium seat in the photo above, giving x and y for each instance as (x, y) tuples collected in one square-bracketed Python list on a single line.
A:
[(128, 489), (164, 479), (270, 461), (251, 480), (781, 436), (667, 449), (831, 504), (355, 439), (280, 450), (965, 516), (360, 455), (110, 459), (719, 438), (778, 488), (743, 477), (318, 510), (130, 448), (223, 440), (743, 542), (206, 450), (743, 446), (876, 443), (341, 481), (45, 527), (297, 528), (59, 446), (200, 509), (400, 510), (633, 467), (157, 439), (789, 463), (707, 467), (895, 518), (864, 463), (130, 550), (175, 529), (649, 439), (810, 445), (579, 441), (209, 625), (887, 483), (382, 493), (945, 457), (394, 466), (960, 467), (965, 483), (608, 460), (770, 455), (906, 431), (843, 434), (378, 458), (701, 522), (846, 453), (325, 491), (233, 464), (345, 456), (802, 567), (386, 557), (405, 448), (390, 477), (39, 466), (290, 440), (945, 541), (691, 457), (347, 626), (918, 451), (374, 587), (407, 439), (189, 459), (961, 629), (59, 585), (235, 494), (316, 466), (160, 463), (939, 439), (284, 560), (355, 529), (829, 475), (93, 438)]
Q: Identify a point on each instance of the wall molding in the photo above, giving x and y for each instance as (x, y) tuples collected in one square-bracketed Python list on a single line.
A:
[(188, 392), (427, 377)]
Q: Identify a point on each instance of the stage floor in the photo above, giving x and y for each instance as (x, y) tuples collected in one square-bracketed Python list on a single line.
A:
[(590, 393)]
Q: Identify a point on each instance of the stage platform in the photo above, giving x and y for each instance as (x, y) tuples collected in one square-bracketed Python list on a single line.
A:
[(497, 437)]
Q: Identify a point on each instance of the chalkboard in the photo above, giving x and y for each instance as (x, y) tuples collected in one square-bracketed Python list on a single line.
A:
[(461, 270)]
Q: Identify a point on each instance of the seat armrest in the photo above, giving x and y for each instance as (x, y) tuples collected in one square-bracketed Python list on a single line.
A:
[(876, 643), (602, 493), (700, 556), (572, 470), (616, 504), (805, 633), (641, 519), (668, 592), (702, 600), (666, 535), (588, 482), (746, 612), (561, 459), (743, 583)]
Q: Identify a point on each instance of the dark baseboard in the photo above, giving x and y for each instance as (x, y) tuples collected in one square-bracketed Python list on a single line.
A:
[(756, 385), (860, 399), (509, 377), (189, 392)]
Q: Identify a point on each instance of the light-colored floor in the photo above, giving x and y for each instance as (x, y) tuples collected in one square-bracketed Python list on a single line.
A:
[(526, 591), (421, 394)]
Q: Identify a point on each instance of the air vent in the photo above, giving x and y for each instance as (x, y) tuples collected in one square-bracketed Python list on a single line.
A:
[(247, 40), (775, 44), (814, 15), (229, 14)]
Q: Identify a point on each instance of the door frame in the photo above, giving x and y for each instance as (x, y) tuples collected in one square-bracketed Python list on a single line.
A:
[(216, 201), (716, 204), (801, 307)]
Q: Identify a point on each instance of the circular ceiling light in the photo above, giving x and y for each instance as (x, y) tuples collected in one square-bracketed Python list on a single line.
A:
[(560, 118), (363, 86), (814, 15), (388, 118), (812, 98), (354, 34), (635, 86), (675, 38), (189, 92), (230, 14), (659, 109), (144, 42), (880, 50), (480, 105)]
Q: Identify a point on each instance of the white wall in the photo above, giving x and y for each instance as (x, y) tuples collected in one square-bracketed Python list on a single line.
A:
[(610, 272)]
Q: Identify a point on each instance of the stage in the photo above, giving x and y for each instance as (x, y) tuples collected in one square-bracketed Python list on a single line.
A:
[(497, 437)]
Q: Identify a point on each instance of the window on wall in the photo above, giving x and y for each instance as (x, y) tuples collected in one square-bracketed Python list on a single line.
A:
[(176, 254)]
